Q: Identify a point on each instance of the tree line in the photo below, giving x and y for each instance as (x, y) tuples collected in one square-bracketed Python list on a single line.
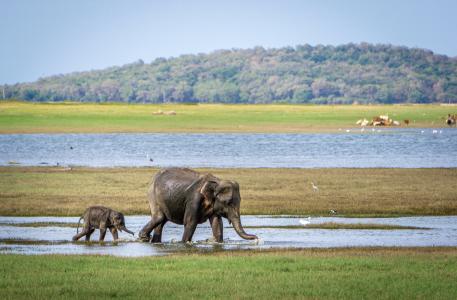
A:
[(363, 73)]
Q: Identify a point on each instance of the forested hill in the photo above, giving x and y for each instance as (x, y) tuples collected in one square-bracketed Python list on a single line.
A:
[(364, 73)]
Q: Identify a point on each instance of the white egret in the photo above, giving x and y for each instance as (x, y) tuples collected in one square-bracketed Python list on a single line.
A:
[(306, 221), (315, 188)]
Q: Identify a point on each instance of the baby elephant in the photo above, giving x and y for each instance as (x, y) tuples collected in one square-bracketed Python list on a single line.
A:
[(102, 218)]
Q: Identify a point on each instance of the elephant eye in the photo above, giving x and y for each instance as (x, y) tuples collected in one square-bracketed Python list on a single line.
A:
[(224, 190)]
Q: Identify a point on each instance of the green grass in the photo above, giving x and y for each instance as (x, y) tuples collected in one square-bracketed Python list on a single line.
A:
[(51, 191), (21, 117), (336, 274)]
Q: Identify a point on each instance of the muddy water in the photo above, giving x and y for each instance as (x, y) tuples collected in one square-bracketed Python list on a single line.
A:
[(441, 231)]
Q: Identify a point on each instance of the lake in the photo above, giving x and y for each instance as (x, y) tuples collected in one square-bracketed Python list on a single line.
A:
[(377, 147), (432, 231)]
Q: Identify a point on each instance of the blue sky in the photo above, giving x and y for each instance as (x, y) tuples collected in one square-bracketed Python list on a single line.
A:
[(47, 37)]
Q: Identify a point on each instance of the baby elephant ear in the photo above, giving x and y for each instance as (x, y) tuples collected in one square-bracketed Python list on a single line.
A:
[(207, 190)]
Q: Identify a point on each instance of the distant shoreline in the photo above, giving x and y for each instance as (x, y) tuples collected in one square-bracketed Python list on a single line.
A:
[(73, 117)]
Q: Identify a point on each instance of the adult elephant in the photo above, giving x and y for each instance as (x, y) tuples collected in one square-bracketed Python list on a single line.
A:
[(184, 196)]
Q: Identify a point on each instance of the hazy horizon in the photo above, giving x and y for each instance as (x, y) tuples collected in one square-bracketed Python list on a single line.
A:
[(53, 37)]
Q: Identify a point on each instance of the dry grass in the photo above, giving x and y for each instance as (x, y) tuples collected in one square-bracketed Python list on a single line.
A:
[(335, 252), (355, 192)]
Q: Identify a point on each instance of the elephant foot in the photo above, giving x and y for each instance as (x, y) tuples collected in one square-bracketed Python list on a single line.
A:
[(142, 237)]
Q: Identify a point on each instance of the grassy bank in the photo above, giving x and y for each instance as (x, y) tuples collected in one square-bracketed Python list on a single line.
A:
[(344, 273), (355, 192), (19, 117)]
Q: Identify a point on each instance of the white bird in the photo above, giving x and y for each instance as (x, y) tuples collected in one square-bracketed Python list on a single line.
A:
[(347, 130), (315, 188), (332, 212), (305, 222), (363, 129), (435, 131), (422, 131)]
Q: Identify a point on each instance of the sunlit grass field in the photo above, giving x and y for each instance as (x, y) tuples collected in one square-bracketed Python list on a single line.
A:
[(420, 273), (351, 192), (22, 117)]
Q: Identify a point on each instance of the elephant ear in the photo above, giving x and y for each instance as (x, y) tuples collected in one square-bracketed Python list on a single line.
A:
[(106, 217), (225, 189), (207, 190)]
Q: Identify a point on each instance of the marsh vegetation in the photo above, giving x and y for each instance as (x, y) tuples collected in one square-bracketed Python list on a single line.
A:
[(351, 192)]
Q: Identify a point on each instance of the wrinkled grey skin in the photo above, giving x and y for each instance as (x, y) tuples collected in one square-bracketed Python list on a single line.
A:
[(102, 218), (186, 197)]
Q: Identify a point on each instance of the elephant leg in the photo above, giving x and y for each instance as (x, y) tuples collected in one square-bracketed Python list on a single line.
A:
[(102, 234), (89, 233), (79, 235), (114, 233), (217, 227), (84, 231), (189, 230), (145, 233), (157, 236)]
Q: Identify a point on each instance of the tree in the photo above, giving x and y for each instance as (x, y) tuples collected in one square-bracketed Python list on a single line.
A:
[(364, 72)]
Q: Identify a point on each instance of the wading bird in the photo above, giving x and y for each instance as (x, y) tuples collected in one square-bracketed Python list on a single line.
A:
[(305, 222), (315, 188)]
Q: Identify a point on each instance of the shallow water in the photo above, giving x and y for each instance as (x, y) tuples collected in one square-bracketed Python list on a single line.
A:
[(383, 147), (442, 231)]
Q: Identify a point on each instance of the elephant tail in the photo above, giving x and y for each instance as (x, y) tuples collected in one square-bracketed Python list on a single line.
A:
[(77, 228)]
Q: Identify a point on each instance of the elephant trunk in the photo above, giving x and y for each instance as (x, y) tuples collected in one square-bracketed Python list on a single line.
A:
[(123, 228), (235, 219)]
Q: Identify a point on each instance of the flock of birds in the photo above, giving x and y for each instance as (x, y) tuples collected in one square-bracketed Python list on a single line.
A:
[(434, 131)]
